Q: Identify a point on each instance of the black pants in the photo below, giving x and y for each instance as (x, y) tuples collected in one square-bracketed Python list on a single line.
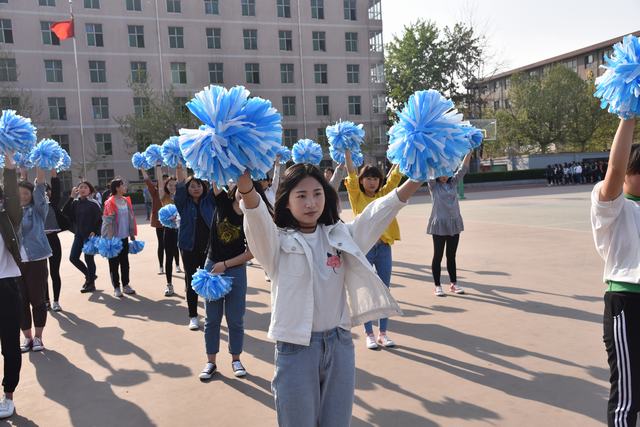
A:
[(121, 261), (170, 251), (622, 342), (10, 309), (439, 244), (34, 286), (54, 266), (192, 260), (160, 237)]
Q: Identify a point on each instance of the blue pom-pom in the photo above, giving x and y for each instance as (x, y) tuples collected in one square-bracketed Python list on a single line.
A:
[(338, 156), (306, 151), (171, 153), (153, 153), (619, 86), (16, 133), (22, 161), (168, 216), (285, 154), (258, 175), (90, 247), (428, 141), (135, 246), (474, 135), (238, 134), (46, 154), (210, 286), (64, 163), (109, 248), (345, 136), (140, 161)]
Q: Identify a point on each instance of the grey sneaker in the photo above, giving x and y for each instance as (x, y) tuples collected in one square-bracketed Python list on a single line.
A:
[(55, 306), (178, 269), (128, 290), (169, 290), (117, 292), (37, 345), (238, 369), (207, 372), (7, 408)]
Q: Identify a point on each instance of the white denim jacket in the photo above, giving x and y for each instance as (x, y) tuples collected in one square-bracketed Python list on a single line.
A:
[(286, 258)]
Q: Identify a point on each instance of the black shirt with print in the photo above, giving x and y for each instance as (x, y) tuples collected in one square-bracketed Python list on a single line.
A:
[(227, 238)]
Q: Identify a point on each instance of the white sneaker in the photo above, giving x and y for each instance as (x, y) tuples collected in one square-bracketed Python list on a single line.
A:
[(128, 290), (26, 345), (169, 290), (457, 289), (178, 269), (117, 292), (55, 306), (193, 324), (385, 341), (207, 372), (37, 345), (371, 342), (7, 408), (161, 270), (238, 369), (438, 291)]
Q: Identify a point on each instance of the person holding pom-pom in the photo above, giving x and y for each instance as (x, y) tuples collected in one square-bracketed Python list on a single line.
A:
[(322, 285), (34, 251), (10, 303), (85, 214), (363, 189), (445, 225), (119, 221), (195, 203)]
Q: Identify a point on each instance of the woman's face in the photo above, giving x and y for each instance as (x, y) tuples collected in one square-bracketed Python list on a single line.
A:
[(171, 186), (84, 190), (195, 189), (122, 190), (370, 184), (25, 196), (443, 179), (306, 202)]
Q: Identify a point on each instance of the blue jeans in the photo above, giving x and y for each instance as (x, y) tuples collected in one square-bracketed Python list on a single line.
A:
[(380, 257), (88, 270), (233, 306), (314, 385)]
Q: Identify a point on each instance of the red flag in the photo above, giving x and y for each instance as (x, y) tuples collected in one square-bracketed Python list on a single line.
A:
[(63, 29)]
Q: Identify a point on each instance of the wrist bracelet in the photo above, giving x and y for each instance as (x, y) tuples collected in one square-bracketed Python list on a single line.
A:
[(250, 190), (225, 264)]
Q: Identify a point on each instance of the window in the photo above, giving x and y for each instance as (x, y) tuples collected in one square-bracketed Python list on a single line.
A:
[(351, 42), (6, 33), (571, 64), (248, 7), (588, 59), (100, 107), (288, 105), (136, 35), (103, 144), (94, 35), (496, 105), (135, 5), (97, 72), (322, 105), (57, 108), (350, 10), (211, 7), (138, 72), (214, 38), (9, 102), (48, 36), (92, 4), (53, 70), (290, 136), (173, 6), (320, 73), (286, 73), (283, 8), (44, 2), (286, 40), (375, 10), (179, 73), (380, 134), (353, 73), (140, 106), (317, 9), (375, 41), (176, 37), (321, 136), (8, 70), (379, 106), (63, 140), (507, 104), (319, 41), (377, 73), (354, 105), (250, 39), (104, 177), (252, 73), (216, 73)]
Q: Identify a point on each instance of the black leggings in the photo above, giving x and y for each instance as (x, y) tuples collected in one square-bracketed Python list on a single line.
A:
[(439, 243), (170, 251), (121, 261), (10, 313), (54, 266), (160, 237), (192, 260)]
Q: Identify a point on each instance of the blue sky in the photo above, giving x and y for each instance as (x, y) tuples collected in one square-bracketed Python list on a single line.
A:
[(523, 32)]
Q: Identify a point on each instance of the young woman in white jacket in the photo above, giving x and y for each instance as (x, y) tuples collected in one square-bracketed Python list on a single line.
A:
[(322, 285)]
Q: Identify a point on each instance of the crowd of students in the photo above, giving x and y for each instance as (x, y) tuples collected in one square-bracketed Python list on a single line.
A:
[(586, 172)]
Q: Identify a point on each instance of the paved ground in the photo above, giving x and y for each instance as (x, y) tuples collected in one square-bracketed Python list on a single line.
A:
[(523, 347)]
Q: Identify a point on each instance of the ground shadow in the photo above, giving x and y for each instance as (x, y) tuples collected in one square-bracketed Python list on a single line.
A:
[(139, 307), (17, 420)]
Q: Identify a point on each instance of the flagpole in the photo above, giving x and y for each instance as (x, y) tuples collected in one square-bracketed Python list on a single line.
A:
[(75, 57)]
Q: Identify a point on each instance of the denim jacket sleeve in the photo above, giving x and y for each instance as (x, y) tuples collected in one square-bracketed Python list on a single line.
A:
[(40, 204)]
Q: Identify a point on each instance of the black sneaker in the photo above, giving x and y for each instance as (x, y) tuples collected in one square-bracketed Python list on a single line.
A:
[(207, 372), (238, 369), (88, 287)]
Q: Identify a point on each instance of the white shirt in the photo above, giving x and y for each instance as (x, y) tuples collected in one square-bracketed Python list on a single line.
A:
[(329, 297), (616, 233), (8, 266)]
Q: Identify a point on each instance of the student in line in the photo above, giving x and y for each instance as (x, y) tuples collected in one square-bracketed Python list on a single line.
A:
[(54, 224)]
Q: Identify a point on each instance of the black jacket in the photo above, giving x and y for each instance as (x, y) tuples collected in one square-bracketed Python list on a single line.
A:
[(85, 216), (54, 205), (11, 214)]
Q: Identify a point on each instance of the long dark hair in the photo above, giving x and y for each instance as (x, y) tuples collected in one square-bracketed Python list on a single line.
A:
[(88, 184), (282, 215), (203, 183), (233, 193), (29, 186), (370, 171), (634, 160), (115, 183)]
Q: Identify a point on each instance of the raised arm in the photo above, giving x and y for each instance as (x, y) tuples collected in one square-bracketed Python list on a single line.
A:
[(618, 161), (338, 176), (11, 198), (351, 168), (181, 176), (160, 182), (463, 168), (40, 204), (393, 180), (275, 181)]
